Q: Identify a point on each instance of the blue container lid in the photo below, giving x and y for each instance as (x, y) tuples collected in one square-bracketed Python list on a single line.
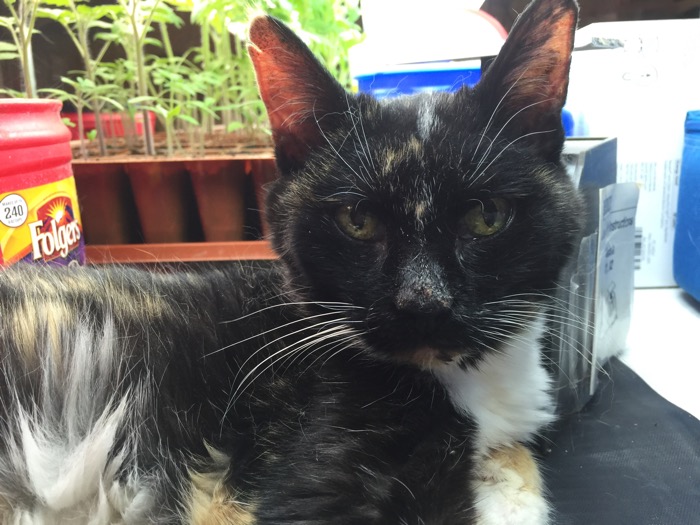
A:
[(438, 76)]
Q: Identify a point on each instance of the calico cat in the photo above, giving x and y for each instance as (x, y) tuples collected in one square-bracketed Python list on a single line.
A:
[(387, 369)]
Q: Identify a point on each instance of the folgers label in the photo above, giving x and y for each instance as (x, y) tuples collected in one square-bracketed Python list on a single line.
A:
[(41, 224), (39, 216)]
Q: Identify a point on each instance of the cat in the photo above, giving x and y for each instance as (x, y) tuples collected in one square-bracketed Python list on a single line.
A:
[(386, 369)]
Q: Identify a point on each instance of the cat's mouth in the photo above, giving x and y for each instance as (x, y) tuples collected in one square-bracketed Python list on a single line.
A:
[(406, 345), (427, 357), (414, 339)]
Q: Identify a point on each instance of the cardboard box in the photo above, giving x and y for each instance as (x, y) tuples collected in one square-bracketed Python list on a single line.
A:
[(594, 302), (636, 81)]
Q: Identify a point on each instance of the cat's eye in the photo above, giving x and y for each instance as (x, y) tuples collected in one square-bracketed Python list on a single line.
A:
[(359, 223), (485, 217)]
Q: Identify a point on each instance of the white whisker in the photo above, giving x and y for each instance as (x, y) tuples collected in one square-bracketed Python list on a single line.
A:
[(493, 141), (493, 115), (296, 346), (324, 304), (279, 327), (483, 171)]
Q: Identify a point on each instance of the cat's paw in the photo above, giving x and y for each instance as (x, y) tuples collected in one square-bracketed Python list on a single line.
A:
[(508, 489)]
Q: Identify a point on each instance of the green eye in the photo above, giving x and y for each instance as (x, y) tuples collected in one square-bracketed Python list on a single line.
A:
[(485, 217), (359, 223)]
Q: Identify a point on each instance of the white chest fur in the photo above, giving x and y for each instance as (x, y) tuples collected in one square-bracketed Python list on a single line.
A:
[(507, 393)]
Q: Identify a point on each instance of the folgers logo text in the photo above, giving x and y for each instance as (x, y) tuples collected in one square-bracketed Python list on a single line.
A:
[(56, 232)]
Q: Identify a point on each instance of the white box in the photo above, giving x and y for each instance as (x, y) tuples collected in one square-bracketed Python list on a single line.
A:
[(636, 81)]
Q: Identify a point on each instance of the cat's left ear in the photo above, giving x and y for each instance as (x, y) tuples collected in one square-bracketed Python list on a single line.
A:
[(524, 89), (303, 100)]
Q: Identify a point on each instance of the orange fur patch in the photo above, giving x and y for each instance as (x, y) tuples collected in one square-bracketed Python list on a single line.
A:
[(518, 458), (211, 501)]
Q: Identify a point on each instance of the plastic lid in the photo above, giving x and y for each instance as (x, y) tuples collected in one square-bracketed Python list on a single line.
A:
[(33, 137), (464, 34)]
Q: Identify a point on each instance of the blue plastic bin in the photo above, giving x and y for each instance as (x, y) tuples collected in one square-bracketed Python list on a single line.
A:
[(686, 251)]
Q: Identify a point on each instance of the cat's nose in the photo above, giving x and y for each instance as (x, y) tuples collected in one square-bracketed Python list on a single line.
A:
[(423, 290), (424, 309), (424, 300)]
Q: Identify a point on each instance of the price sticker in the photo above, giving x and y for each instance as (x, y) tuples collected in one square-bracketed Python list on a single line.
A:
[(13, 210)]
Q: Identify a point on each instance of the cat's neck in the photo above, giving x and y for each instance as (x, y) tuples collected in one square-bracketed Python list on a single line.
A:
[(507, 392)]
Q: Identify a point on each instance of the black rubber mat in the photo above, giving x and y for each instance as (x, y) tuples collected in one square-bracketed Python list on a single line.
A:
[(629, 458)]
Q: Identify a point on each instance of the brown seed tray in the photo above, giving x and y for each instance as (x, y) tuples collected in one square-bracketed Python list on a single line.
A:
[(178, 252), (173, 210)]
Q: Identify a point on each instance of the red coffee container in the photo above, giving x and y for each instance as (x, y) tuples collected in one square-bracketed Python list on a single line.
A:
[(39, 215)]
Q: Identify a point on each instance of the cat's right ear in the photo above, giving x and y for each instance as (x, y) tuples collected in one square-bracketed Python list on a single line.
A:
[(303, 100)]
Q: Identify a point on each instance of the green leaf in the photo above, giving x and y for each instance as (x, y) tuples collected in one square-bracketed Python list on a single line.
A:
[(7, 22), (152, 42), (53, 14), (12, 93), (158, 110), (59, 94), (114, 103), (57, 3), (141, 100), (100, 24), (189, 119), (234, 126), (95, 12), (7, 46)]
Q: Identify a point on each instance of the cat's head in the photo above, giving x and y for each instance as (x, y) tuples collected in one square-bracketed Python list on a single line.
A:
[(446, 218)]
